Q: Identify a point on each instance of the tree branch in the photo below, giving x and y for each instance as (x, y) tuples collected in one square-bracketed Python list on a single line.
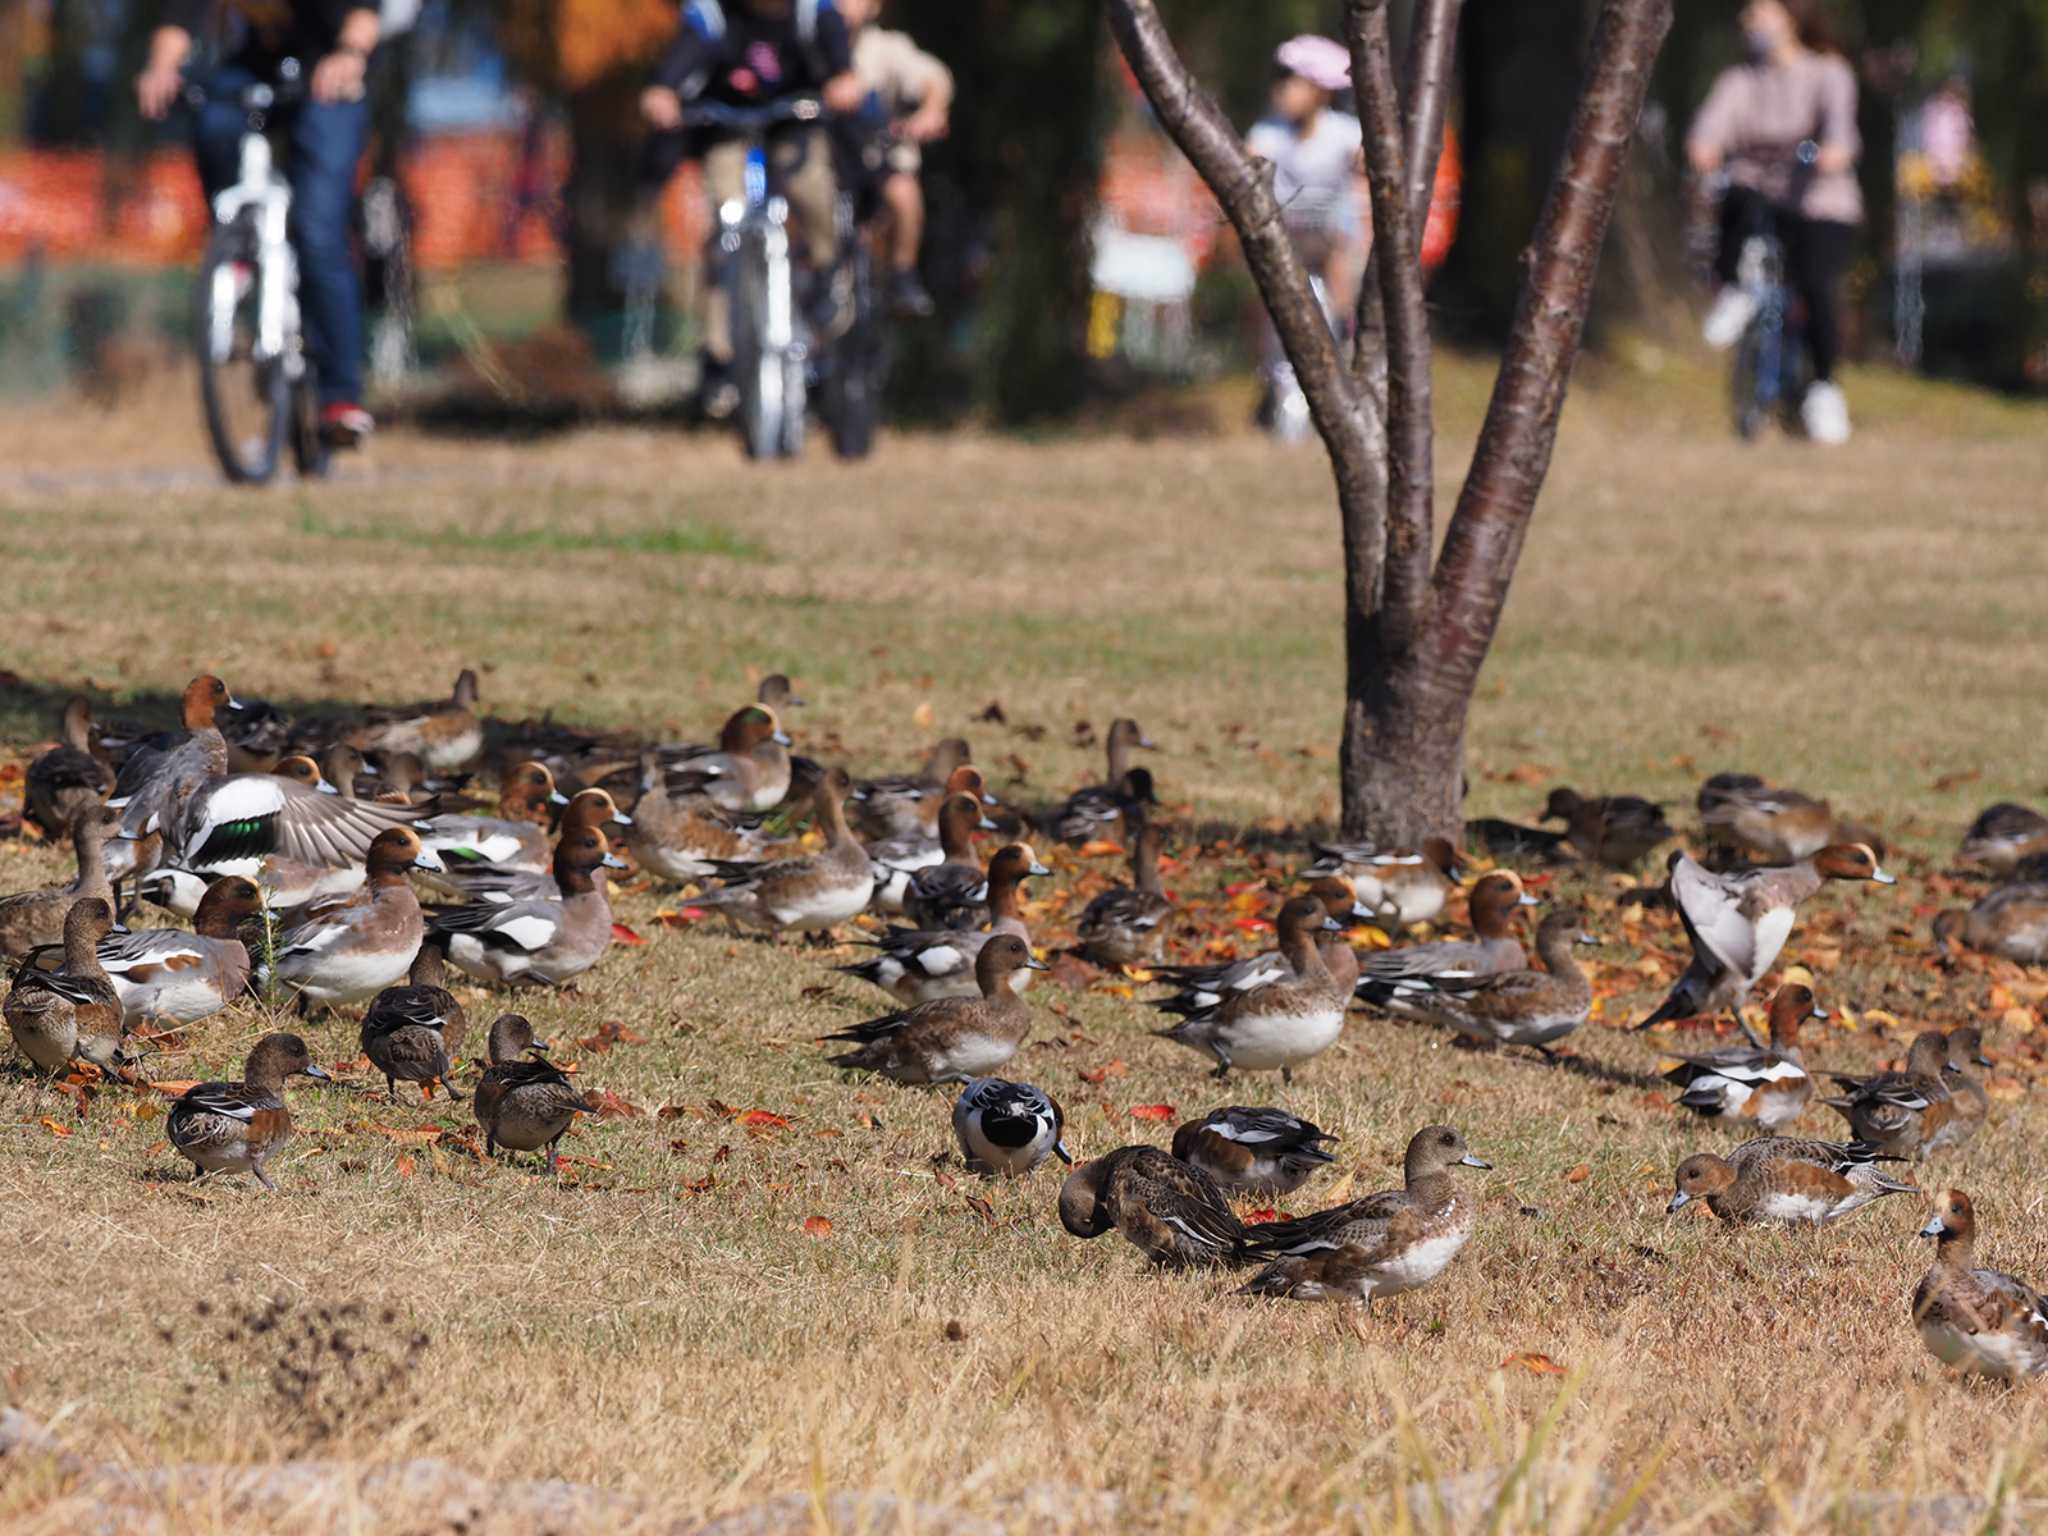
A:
[(1513, 455), (1431, 46)]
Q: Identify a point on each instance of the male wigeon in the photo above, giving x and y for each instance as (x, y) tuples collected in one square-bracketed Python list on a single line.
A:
[(1385, 1243), (1094, 811), (2003, 835), (951, 893), (749, 771), (1615, 830), (1202, 987), (1288, 1021), (154, 784), (538, 940), (1977, 1320), (1007, 1128), (1779, 826), (681, 838), (524, 1101), (1400, 887), (809, 891), (1776, 1178), (907, 805), (1265, 1152), (352, 948), (413, 1033), (897, 859), (31, 919), (445, 734), (1525, 1007), (236, 1127), (950, 1038), (166, 974), (516, 838), (2010, 922), (1768, 1085), (1172, 1213), (72, 1013), (917, 965), (1932, 1104), (232, 824), (1494, 900), (1739, 921), (1126, 924), (588, 810), (72, 776)]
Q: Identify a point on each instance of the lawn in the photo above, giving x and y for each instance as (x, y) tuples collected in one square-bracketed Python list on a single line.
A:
[(705, 1313)]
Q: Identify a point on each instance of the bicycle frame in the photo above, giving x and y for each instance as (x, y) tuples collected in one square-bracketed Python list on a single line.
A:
[(767, 217), (263, 193)]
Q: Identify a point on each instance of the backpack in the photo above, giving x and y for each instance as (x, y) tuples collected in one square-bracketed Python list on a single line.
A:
[(708, 17)]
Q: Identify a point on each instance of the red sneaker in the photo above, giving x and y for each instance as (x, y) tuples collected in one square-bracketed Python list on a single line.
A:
[(345, 424)]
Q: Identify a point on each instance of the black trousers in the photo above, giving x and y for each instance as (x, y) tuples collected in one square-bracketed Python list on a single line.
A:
[(1816, 255)]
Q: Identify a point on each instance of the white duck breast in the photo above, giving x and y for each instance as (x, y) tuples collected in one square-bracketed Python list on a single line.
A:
[(477, 840), (178, 981), (543, 941), (328, 965), (1265, 1041), (1422, 1261), (972, 1056), (1988, 1353), (822, 906)]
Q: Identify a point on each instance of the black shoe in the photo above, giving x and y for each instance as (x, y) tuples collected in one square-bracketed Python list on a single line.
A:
[(717, 396), (908, 298)]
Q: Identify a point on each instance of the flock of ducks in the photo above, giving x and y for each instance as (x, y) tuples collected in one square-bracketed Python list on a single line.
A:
[(299, 850)]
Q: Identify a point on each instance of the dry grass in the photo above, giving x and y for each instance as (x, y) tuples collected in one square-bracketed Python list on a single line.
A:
[(1863, 623)]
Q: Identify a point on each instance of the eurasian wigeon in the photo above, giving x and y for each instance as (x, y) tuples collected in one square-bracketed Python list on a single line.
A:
[(588, 810), (413, 1033), (680, 838), (1524, 1007), (1932, 1104), (1766, 1085), (1284, 1023), (72, 1013), (1615, 830), (32, 919), (1977, 1320), (1170, 1212), (166, 974), (1007, 1128), (516, 838), (1400, 887), (352, 948), (906, 805), (1777, 1178), (809, 891), (1494, 900), (524, 1101), (155, 783), (72, 776), (953, 892), (2010, 921), (1779, 826), (950, 1038), (1094, 811), (445, 734), (749, 771), (1265, 1152), (1202, 987), (2003, 835), (917, 965), (1126, 924), (897, 859), (537, 940), (232, 824), (236, 1127)]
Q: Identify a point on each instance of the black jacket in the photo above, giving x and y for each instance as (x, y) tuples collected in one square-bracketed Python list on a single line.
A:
[(728, 54), (265, 29)]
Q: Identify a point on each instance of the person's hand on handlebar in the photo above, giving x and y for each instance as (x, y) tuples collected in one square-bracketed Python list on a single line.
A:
[(662, 107), (843, 94), (927, 123), (156, 88), (339, 76)]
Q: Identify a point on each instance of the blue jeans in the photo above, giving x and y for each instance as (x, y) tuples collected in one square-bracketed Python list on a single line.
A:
[(323, 142)]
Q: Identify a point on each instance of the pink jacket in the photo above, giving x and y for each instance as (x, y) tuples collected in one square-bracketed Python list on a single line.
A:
[(1756, 115)]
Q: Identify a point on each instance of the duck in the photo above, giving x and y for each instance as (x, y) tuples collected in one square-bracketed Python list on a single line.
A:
[(414, 1032), (1932, 1104), (953, 892), (34, 919), (237, 1127), (907, 805), (1738, 923), (1493, 950), (1286, 1022), (1979, 1321), (808, 891), (918, 965), (1615, 830), (1512, 840), (750, 770), (681, 838), (1401, 887), (1381, 1245), (950, 1038), (524, 1102), (1202, 987), (1780, 1179), (353, 947), (1007, 1128), (2003, 835), (588, 810), (2010, 922), (155, 783), (445, 734), (1253, 1151), (258, 735), (1780, 826), (166, 974), (231, 824), (71, 777), (537, 940), (1768, 1086), (1172, 1213), (1126, 925), (1091, 812), (516, 838), (1522, 1007), (897, 859), (72, 1013)]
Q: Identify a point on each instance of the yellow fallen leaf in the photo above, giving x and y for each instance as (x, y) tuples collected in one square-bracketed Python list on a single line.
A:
[(2018, 1020), (922, 716), (1541, 1365)]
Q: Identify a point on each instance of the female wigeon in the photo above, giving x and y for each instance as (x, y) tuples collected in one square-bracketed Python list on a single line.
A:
[(352, 948), (445, 734), (538, 940), (917, 965), (907, 805), (951, 893), (516, 838), (1933, 1103), (32, 919), (1776, 1178), (236, 1127), (1007, 1128), (1126, 925), (1172, 1213), (810, 891), (155, 784), (898, 859), (258, 734), (1265, 1152), (750, 770), (524, 1101), (1092, 812), (1288, 1021), (681, 838), (414, 1033), (1615, 830), (1768, 1086), (1779, 826), (1400, 887), (1974, 1319), (2010, 922), (1393, 1241), (72, 776), (1494, 900), (72, 1013), (1203, 987), (1738, 922), (162, 973), (1526, 1007), (950, 1039), (589, 810), (2003, 835)]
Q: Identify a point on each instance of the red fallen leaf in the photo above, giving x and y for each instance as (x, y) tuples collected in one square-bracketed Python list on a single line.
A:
[(679, 1146), (1578, 1175), (1101, 848), (406, 1165), (1252, 924), (1103, 1074), (817, 1226), (175, 1090), (702, 1186), (611, 1107), (679, 917), (621, 934), (982, 1208), (723, 1154), (1261, 1216), (762, 1122), (1151, 1111), (56, 1127), (155, 1147), (1540, 1365)]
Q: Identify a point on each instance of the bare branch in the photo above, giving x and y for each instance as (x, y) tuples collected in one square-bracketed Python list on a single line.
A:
[(1431, 46)]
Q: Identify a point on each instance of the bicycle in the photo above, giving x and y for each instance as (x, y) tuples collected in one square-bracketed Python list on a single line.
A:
[(1771, 368), (254, 377)]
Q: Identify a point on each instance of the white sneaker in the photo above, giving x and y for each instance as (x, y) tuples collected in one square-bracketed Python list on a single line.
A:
[(1733, 309), (1825, 415)]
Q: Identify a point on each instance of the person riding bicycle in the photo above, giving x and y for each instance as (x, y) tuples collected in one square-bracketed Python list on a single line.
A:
[(325, 135), (912, 93), (1795, 89), (745, 53), (1317, 154)]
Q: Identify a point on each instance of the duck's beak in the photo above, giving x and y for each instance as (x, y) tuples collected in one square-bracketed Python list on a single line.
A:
[(556, 797), (1474, 1162), (318, 1073), (1148, 744), (1059, 1150), (1884, 877), (325, 788), (621, 819), (1036, 964), (782, 739), (540, 1045), (428, 859), (613, 861), (1586, 938), (1933, 1228), (1038, 869), (1331, 925), (1678, 1202), (1526, 900), (1820, 1012), (989, 799), (985, 825)]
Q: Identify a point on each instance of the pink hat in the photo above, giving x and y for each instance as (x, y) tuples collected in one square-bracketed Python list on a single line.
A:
[(1321, 61)]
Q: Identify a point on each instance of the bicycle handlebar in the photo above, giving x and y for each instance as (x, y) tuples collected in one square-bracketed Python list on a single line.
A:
[(289, 89), (713, 114)]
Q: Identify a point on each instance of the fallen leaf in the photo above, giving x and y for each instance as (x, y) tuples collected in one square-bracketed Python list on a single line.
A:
[(1260, 1217), (175, 1090), (406, 1165), (1103, 1074), (1252, 924), (1101, 848), (621, 934), (679, 917), (817, 1226), (611, 1107), (923, 716), (982, 1208), (1578, 1175), (56, 1127), (1152, 1111), (1541, 1365), (762, 1122), (2019, 1020)]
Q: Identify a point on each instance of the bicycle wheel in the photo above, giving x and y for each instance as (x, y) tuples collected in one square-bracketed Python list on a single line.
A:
[(245, 393), (758, 369), (311, 456), (853, 374), (1745, 376)]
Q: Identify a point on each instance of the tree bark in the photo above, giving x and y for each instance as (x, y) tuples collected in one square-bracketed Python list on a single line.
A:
[(1431, 46)]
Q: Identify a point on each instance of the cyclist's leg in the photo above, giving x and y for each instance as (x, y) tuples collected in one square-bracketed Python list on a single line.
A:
[(327, 140), (1743, 213), (808, 181), (217, 128), (1816, 255), (725, 167)]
